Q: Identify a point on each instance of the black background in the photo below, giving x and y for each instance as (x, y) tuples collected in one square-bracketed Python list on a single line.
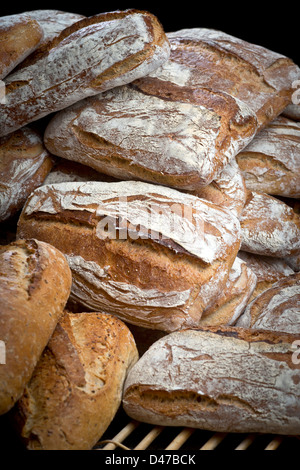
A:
[(274, 25)]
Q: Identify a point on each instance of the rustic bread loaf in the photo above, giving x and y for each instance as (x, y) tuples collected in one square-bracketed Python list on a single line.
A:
[(90, 56), (271, 162), (275, 309), (269, 227), (234, 298), (228, 189), (20, 35), (76, 387), (35, 284), (218, 61), (152, 255), (24, 164), (171, 135), (223, 379), (267, 269)]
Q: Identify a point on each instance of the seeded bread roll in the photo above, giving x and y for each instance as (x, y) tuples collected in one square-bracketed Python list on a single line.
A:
[(89, 57), (223, 379), (24, 165), (35, 284), (269, 227), (271, 162), (20, 35), (76, 388), (154, 256), (276, 309)]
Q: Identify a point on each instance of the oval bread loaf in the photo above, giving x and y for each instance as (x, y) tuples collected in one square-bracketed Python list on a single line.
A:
[(90, 56), (35, 283), (224, 379), (154, 256), (76, 388)]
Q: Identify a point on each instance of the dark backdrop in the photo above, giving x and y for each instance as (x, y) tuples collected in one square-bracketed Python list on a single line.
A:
[(274, 25)]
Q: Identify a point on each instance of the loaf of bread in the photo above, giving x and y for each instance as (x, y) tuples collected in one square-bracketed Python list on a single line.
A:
[(164, 133), (206, 58), (88, 57), (292, 111), (271, 162), (267, 269), (269, 226), (152, 255), (228, 189), (275, 309), (76, 388), (232, 301), (24, 164), (20, 35), (35, 284), (223, 379)]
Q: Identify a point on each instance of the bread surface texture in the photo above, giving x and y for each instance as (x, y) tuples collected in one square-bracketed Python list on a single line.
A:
[(76, 388), (35, 284), (86, 58), (224, 379), (154, 256)]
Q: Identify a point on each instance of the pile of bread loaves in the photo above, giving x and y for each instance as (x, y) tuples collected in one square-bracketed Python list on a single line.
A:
[(155, 262)]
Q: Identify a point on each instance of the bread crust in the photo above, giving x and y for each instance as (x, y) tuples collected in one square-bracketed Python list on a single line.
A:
[(88, 57), (224, 379), (76, 388), (163, 259), (34, 288)]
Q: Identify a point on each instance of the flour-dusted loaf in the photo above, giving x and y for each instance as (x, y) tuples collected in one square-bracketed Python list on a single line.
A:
[(20, 35), (271, 162), (207, 58), (223, 379), (269, 226), (24, 165), (35, 283), (275, 309), (76, 388), (267, 269), (86, 58), (152, 255), (228, 189), (172, 135), (232, 301)]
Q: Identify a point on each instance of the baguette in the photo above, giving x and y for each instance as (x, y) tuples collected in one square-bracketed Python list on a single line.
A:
[(153, 256), (35, 285), (90, 56), (276, 309), (76, 387), (20, 35), (24, 165), (222, 379), (271, 162)]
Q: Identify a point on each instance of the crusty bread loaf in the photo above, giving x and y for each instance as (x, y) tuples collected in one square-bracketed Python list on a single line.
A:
[(35, 284), (154, 256), (218, 61), (271, 162), (24, 164), (269, 226), (228, 189), (20, 35), (234, 298), (157, 132), (90, 56), (76, 387), (267, 269), (221, 379), (275, 309)]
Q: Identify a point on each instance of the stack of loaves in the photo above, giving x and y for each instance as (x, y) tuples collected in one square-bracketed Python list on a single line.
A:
[(155, 179)]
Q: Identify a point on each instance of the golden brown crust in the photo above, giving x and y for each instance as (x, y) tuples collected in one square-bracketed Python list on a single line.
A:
[(35, 285), (77, 385)]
